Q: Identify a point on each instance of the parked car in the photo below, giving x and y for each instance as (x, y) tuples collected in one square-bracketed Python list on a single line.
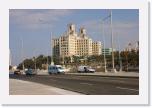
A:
[(85, 69), (17, 72), (56, 69), (30, 72)]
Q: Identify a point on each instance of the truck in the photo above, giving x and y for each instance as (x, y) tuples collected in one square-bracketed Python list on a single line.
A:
[(56, 69)]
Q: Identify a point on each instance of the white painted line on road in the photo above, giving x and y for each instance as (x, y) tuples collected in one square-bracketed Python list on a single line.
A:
[(86, 84), (53, 80), (117, 80), (127, 88)]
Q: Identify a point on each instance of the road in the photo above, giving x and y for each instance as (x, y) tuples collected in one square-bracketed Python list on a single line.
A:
[(89, 85)]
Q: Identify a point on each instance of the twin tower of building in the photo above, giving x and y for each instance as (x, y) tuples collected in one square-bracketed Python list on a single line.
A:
[(75, 44)]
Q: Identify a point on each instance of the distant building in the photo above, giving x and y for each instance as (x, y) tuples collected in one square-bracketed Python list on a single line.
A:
[(96, 48), (77, 44), (107, 51), (132, 47), (137, 46), (14, 68)]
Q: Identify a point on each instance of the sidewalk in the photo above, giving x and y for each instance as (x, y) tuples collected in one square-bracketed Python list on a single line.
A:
[(108, 74), (19, 87), (111, 74)]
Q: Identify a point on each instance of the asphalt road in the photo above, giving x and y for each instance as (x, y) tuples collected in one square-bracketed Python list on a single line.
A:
[(90, 85)]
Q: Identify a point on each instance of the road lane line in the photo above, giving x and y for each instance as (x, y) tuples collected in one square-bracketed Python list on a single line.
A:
[(117, 81), (53, 80), (86, 84), (127, 88)]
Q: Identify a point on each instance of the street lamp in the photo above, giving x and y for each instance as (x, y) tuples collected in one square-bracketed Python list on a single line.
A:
[(52, 63), (45, 22), (35, 62), (104, 46), (47, 62), (112, 43), (10, 57), (105, 63), (120, 61), (22, 54)]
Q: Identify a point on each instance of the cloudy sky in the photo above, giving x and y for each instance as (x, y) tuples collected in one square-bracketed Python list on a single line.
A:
[(34, 27)]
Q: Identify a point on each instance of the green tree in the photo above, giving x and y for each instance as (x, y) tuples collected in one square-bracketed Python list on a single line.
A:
[(10, 67)]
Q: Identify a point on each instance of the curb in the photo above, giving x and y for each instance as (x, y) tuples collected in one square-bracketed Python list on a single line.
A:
[(118, 76)]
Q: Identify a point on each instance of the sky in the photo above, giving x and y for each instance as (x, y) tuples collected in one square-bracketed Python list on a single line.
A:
[(33, 28)]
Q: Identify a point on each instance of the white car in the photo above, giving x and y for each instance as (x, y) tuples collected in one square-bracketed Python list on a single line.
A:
[(85, 69), (55, 69)]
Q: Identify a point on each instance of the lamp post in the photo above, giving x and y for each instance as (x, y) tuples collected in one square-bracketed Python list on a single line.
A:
[(10, 58), (105, 69), (35, 62), (105, 62), (112, 43), (22, 54), (45, 22), (126, 55), (47, 62), (52, 63), (120, 61)]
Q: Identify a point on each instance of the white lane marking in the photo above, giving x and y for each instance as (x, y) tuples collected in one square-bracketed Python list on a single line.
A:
[(127, 88), (86, 83), (117, 80), (53, 80)]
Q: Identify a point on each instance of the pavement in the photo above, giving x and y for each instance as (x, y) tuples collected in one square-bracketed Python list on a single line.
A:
[(75, 83), (107, 74), (20, 87), (83, 84)]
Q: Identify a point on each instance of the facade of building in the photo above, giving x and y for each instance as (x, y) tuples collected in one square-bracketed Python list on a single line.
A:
[(107, 51), (132, 47), (77, 44)]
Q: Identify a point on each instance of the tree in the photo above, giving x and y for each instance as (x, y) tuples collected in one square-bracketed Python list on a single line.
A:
[(10, 67), (28, 63)]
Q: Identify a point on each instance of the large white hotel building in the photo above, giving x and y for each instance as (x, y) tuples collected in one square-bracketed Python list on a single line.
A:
[(77, 44)]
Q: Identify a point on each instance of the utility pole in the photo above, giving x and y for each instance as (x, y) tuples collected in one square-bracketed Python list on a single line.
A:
[(52, 63), (10, 57), (104, 47), (47, 62), (35, 62), (22, 55), (120, 61), (112, 43)]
